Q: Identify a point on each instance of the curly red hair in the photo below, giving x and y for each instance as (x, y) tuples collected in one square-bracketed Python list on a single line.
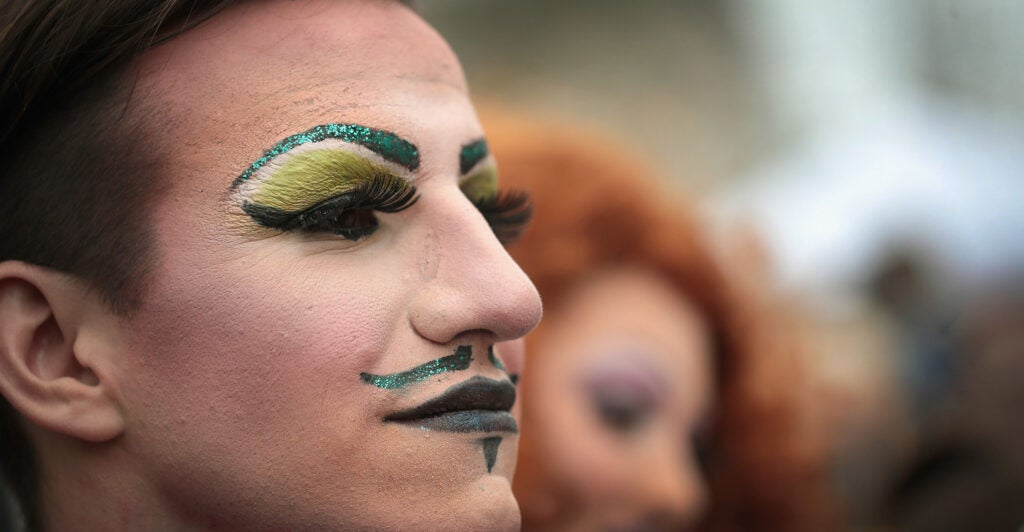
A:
[(596, 207)]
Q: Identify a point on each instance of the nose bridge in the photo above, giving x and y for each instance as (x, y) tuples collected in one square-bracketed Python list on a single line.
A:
[(674, 488), (470, 283)]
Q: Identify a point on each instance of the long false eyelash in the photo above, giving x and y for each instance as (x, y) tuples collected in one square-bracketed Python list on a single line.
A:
[(508, 212), (386, 193), (349, 215)]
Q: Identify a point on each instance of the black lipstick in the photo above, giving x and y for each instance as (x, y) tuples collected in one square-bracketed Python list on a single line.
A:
[(478, 404)]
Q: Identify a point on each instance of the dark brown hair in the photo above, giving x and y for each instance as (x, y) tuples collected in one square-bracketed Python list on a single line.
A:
[(72, 192)]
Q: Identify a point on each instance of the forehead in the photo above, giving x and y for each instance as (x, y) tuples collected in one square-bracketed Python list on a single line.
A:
[(251, 46), (264, 70)]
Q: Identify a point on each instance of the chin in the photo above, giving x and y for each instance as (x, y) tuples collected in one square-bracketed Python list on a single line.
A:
[(493, 507)]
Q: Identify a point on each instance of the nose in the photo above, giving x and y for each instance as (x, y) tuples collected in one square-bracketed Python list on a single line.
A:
[(672, 491), (470, 284)]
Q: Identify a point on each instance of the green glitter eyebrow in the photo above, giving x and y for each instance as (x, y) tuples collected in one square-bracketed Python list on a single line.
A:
[(386, 144), (455, 362), (471, 154)]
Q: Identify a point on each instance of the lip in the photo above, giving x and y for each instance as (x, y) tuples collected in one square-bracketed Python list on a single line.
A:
[(478, 404)]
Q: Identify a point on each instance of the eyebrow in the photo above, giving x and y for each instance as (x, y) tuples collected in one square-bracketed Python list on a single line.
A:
[(457, 361), (471, 154), (384, 143)]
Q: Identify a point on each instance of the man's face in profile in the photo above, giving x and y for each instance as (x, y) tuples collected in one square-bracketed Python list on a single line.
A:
[(298, 362)]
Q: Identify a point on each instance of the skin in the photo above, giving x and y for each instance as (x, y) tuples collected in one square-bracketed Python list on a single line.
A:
[(597, 476), (233, 391)]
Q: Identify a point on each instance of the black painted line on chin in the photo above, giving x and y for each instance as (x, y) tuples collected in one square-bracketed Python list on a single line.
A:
[(490, 446)]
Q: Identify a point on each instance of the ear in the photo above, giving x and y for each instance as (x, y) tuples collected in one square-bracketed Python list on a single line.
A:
[(57, 339)]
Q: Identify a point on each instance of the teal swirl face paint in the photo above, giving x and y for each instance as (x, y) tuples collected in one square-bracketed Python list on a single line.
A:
[(471, 154), (455, 362), (384, 143)]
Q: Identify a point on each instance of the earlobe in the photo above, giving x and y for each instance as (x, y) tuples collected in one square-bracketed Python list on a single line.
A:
[(49, 354)]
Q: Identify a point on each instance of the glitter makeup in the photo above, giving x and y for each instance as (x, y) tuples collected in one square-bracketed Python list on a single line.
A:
[(478, 181), (508, 213), (305, 179), (457, 361), (384, 143), (325, 190), (471, 154)]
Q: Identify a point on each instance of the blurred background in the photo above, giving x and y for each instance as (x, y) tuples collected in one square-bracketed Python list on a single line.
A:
[(874, 152)]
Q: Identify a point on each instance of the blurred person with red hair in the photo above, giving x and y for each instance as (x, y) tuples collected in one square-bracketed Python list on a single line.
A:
[(660, 391)]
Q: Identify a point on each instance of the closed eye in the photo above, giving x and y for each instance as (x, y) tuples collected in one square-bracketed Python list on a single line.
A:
[(350, 215), (508, 212)]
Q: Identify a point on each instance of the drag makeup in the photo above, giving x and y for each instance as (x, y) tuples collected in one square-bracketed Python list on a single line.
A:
[(496, 362), (494, 359), (507, 212), (457, 361), (331, 178), (479, 175), (384, 143), (490, 446), (262, 311), (623, 392), (615, 403), (476, 405)]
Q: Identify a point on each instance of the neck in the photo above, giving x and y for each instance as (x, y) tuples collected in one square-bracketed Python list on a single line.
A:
[(89, 486)]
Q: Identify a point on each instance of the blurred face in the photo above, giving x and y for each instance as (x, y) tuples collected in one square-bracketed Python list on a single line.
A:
[(615, 389), (315, 347)]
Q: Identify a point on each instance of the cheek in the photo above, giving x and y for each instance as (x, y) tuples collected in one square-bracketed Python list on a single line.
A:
[(575, 448), (254, 349)]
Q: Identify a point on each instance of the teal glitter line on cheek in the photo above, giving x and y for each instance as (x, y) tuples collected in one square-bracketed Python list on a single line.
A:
[(471, 154), (455, 362), (386, 144)]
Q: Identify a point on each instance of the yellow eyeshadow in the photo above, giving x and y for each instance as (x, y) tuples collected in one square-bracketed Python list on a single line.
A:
[(308, 178), (480, 184)]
